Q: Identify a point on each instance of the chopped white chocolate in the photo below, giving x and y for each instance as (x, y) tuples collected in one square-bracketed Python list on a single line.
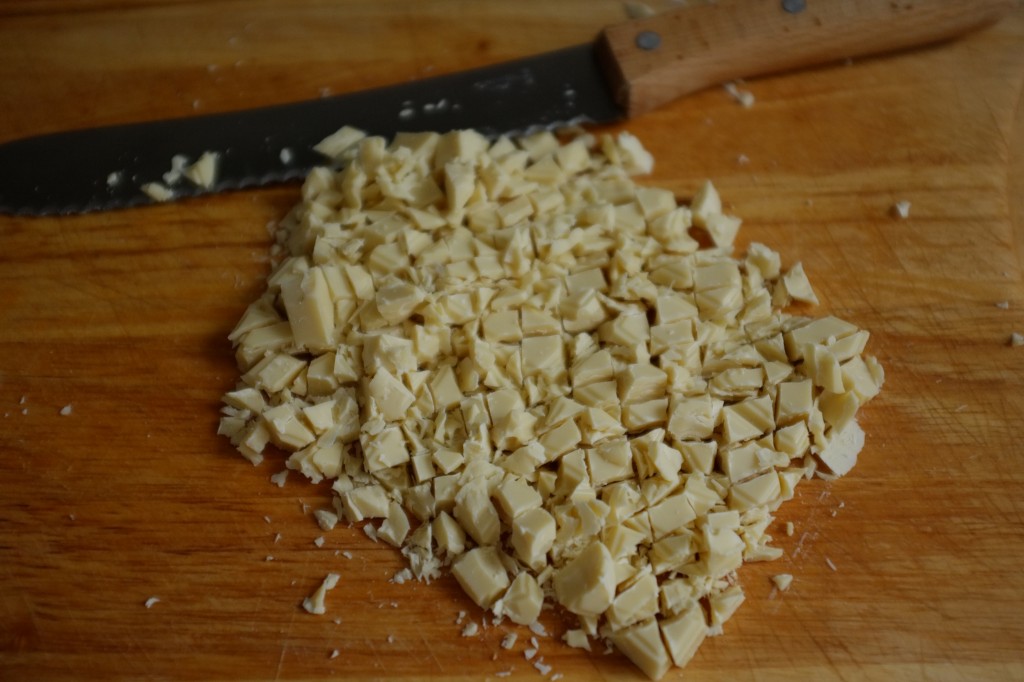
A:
[(515, 496), (755, 492), (315, 602), (450, 537), (637, 602), (901, 209), (482, 575), (722, 228), (395, 526), (642, 644), (782, 581), (577, 639), (203, 173), (533, 533), (724, 604), (385, 449), (798, 286), (684, 633), (326, 519), (157, 191), (523, 599), (543, 356), (744, 98), (337, 143), (706, 202), (366, 502), (477, 515), (527, 369), (840, 455), (586, 585), (815, 332)]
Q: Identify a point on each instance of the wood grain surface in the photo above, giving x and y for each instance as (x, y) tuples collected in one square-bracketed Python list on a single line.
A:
[(123, 316)]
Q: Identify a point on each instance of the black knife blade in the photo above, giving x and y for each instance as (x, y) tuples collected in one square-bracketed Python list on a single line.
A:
[(104, 168)]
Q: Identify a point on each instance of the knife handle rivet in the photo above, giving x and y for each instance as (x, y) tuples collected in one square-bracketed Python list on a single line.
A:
[(794, 6), (648, 40)]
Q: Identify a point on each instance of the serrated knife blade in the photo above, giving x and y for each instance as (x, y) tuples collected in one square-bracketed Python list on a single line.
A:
[(103, 168), (631, 68)]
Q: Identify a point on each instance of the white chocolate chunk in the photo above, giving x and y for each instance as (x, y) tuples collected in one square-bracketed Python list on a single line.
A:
[(901, 209), (594, 368), (706, 202), (641, 382), (337, 143), (626, 330), (793, 401), (450, 536), (203, 173), (385, 449), (722, 228), (445, 388), (533, 533), (747, 419), (543, 356), (621, 541), (482, 575), (523, 599), (610, 461), (645, 415), (286, 426), (815, 332), (315, 602), (516, 496), (586, 585), (364, 503), (673, 551), (577, 639), (823, 368), (670, 515), (724, 605), (859, 379), (459, 184), (782, 581), (692, 418), (561, 439), (642, 644), (573, 157), (476, 514), (840, 455), (307, 300), (391, 396), (684, 633), (756, 492), (157, 191), (798, 286), (502, 326), (395, 526), (636, 603)]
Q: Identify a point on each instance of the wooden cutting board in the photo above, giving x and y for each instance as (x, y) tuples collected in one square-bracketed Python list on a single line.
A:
[(123, 317)]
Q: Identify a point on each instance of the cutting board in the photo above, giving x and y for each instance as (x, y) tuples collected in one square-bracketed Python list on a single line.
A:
[(122, 317)]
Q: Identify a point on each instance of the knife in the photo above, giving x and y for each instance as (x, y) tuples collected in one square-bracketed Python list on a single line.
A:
[(630, 69)]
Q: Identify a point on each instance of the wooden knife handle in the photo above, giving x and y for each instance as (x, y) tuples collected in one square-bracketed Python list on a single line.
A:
[(654, 60)]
